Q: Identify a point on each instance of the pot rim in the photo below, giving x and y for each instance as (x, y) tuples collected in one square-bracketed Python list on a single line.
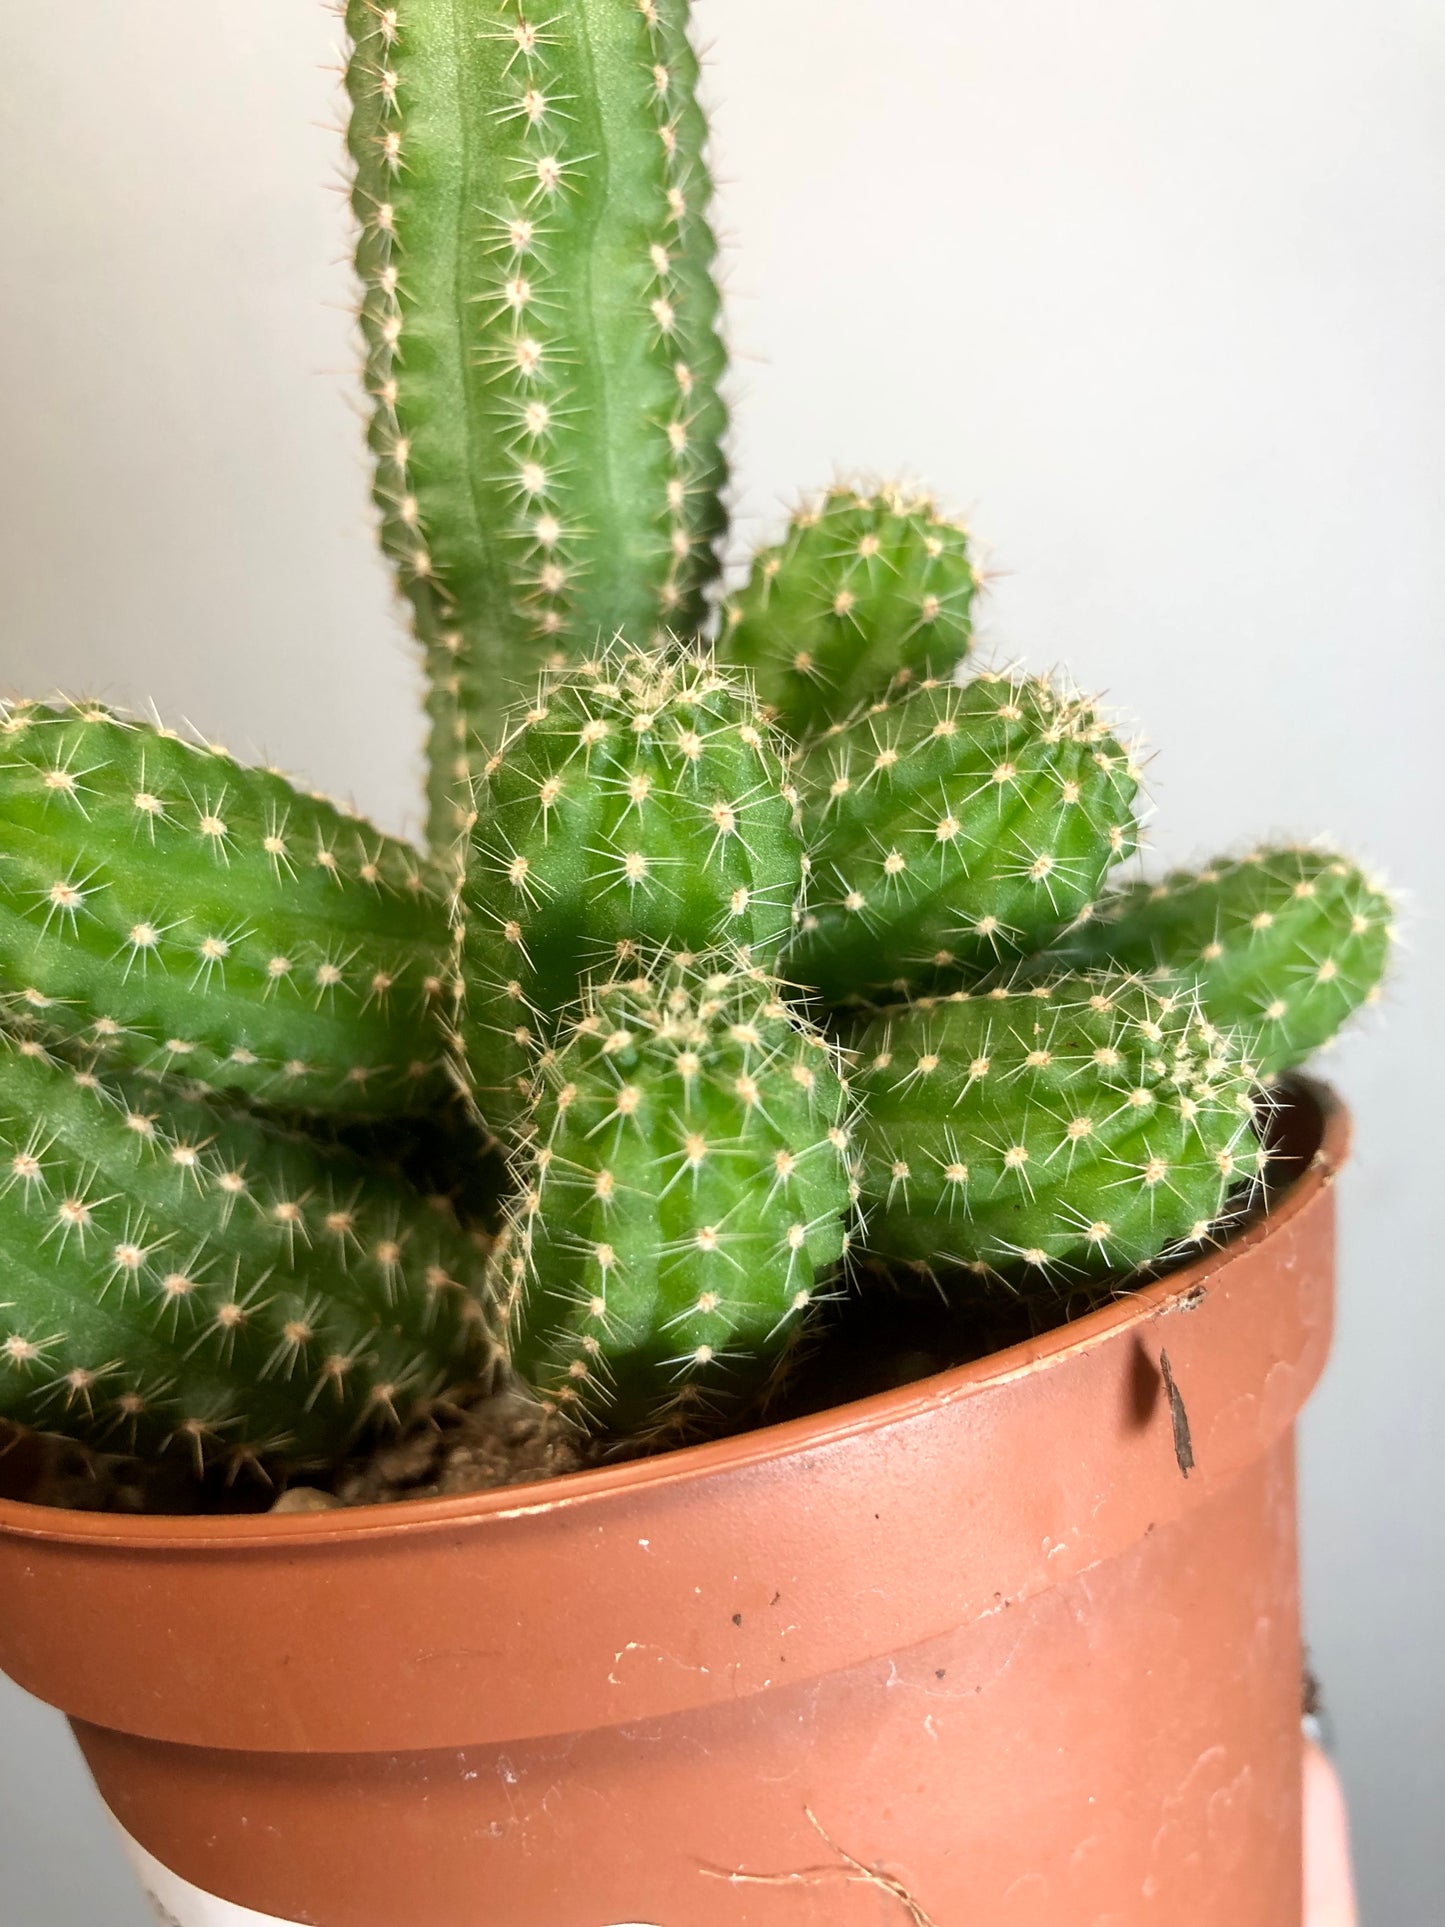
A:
[(684, 1465)]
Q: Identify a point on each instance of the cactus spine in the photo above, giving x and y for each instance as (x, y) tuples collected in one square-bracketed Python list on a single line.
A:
[(1285, 944), (540, 329), (1067, 1130), (170, 908), (640, 800), (948, 828), (865, 592), (685, 1193), (179, 1275)]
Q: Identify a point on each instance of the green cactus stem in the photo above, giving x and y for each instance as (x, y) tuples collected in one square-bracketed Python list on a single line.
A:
[(949, 828), (1284, 943), (865, 592), (170, 908), (541, 335), (1074, 1129), (181, 1276), (443, 1154), (684, 1198), (639, 800)]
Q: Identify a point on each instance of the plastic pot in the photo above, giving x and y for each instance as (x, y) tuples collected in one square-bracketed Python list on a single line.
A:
[(1014, 1646)]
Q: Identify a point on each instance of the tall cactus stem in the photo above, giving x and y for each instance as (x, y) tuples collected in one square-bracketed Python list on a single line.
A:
[(541, 336)]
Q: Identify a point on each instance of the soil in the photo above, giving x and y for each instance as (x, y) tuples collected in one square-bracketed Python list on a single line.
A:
[(502, 1439)]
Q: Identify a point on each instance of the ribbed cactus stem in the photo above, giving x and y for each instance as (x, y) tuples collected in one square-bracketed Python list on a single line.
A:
[(171, 909), (540, 327), (182, 1277), (1284, 943), (867, 591), (949, 828), (1073, 1129), (639, 800), (684, 1197)]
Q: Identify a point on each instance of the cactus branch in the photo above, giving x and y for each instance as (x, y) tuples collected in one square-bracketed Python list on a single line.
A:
[(640, 800), (1083, 1126), (951, 828), (182, 1277), (540, 326), (684, 1197), (866, 593), (1284, 943), (171, 909)]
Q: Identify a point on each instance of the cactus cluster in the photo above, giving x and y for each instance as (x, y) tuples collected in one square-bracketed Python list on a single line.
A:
[(746, 938)]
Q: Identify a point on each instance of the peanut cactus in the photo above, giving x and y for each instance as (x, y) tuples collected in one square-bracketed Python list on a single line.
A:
[(259, 1062), (181, 1276), (639, 799), (541, 335), (170, 908), (865, 592), (1285, 944), (948, 828), (1066, 1130), (685, 1193)]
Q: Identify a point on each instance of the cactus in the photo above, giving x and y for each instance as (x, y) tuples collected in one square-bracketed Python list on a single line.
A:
[(247, 1041), (1285, 944), (684, 1199), (180, 1275), (442, 1153), (948, 828), (1062, 1131), (639, 799), (866, 592), (170, 908), (540, 329)]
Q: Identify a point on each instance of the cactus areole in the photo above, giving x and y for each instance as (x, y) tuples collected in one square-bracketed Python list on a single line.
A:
[(769, 1100)]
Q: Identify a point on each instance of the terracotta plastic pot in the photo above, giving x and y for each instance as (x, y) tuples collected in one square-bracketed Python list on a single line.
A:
[(1015, 1646)]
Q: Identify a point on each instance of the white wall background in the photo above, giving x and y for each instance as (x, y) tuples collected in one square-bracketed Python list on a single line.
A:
[(1158, 292)]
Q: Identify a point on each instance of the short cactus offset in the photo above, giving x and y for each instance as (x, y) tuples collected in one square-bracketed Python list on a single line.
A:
[(1059, 1132), (685, 1197), (639, 800), (540, 326), (948, 828), (172, 909), (1285, 944), (181, 1276), (865, 592)]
